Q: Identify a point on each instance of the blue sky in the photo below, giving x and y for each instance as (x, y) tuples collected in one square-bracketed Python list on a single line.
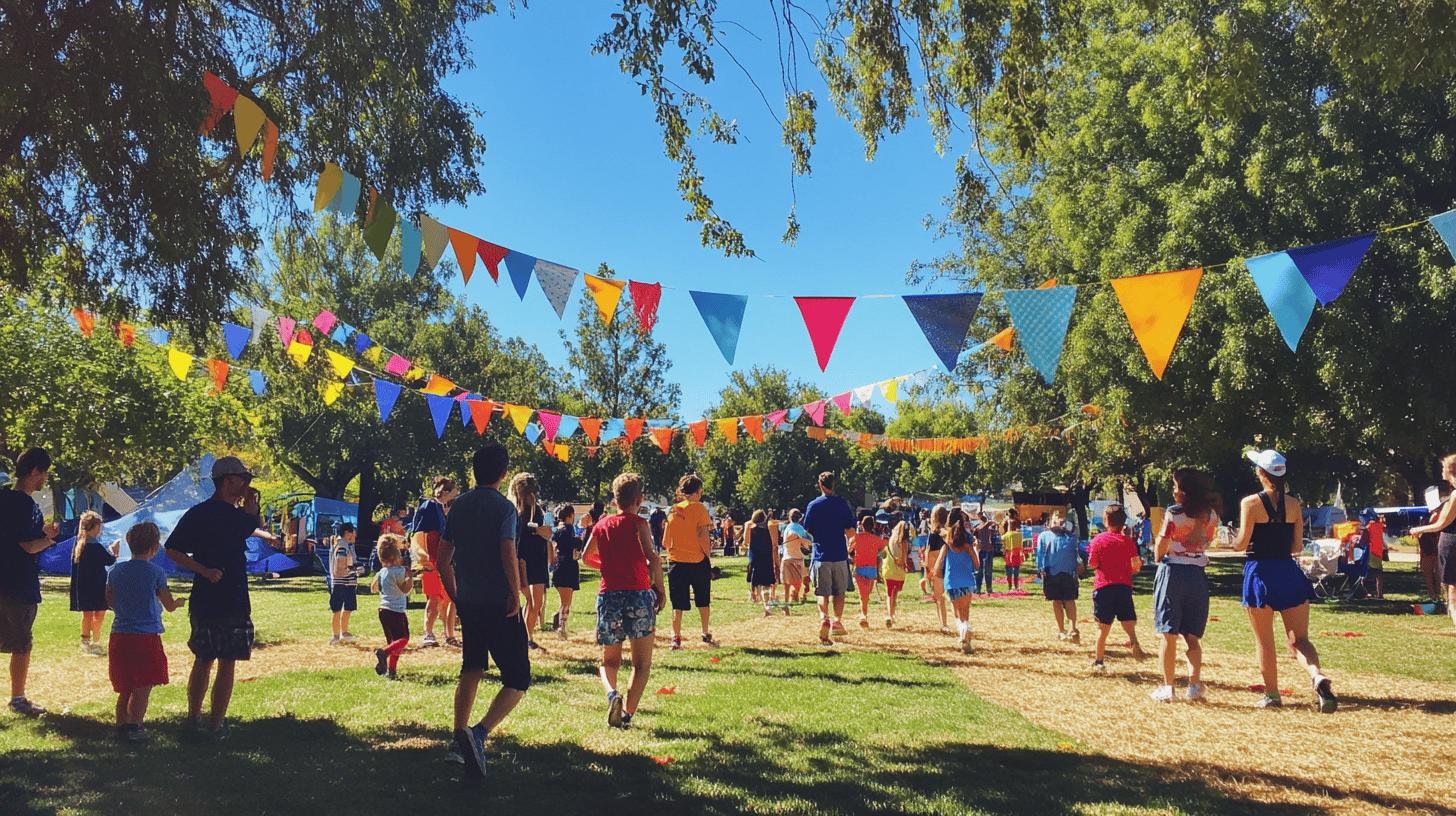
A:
[(575, 173)]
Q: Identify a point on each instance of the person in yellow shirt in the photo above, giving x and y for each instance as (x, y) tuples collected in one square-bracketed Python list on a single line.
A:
[(689, 574)]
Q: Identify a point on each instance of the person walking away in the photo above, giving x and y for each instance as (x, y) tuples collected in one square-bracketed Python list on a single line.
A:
[(1113, 557), (533, 548), (1430, 565), (566, 572), (479, 569), (934, 581), (211, 542), (1180, 587), (865, 549), (629, 599), (761, 567), (394, 585), (1012, 553), (791, 563), (776, 539), (895, 567), (1059, 563), (89, 561), (830, 522), (24, 534), (137, 590), (726, 526), (689, 571), (1445, 525), (343, 583), (1374, 540), (957, 561), (426, 528), (1271, 527), (985, 533), (657, 521)]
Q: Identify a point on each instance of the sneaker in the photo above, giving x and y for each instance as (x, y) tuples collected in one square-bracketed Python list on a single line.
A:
[(1061, 636), (96, 649), (347, 637), (86, 648), (1075, 638), (614, 709), (453, 755), (1195, 692), (135, 734), (472, 752), (824, 633), (708, 639), (1269, 701), (839, 628), (1326, 695), (1164, 694), (966, 647), (1098, 667), (26, 708), (429, 640), (677, 644), (392, 676), (335, 640), (626, 720), (889, 622), (864, 623), (381, 662)]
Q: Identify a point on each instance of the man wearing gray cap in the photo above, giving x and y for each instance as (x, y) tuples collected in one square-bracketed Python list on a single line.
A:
[(211, 541)]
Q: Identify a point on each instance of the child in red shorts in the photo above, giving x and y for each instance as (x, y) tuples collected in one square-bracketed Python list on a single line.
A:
[(136, 590)]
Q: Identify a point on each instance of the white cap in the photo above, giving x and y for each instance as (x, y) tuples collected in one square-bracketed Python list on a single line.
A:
[(230, 466), (1270, 461)]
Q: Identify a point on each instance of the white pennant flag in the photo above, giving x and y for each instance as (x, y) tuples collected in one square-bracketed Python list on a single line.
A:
[(864, 393)]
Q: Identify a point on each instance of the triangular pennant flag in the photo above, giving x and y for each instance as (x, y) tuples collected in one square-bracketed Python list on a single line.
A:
[(1327, 267), (434, 237), (385, 394), (341, 333), (532, 432), (491, 255), (126, 333), (180, 361), (1002, 339), (221, 98), (159, 336), (794, 413), (607, 293), (864, 393), (824, 317), (330, 180), (331, 392), (612, 429), (373, 354), (946, 322), (556, 281), (270, 148), (85, 322), (464, 399), (411, 246), (699, 430), (645, 299), (729, 429), (439, 386), (415, 373), (362, 343), (464, 244), (591, 427), (299, 352), (664, 438), (379, 229), (519, 415), (258, 381), (815, 410), (568, 427), (339, 363), (563, 453), (480, 411), (219, 371), (346, 203), (633, 429), (440, 408), (777, 418), (841, 401), (259, 317), (248, 119), (723, 315), (1445, 226), (285, 330), (397, 365), (325, 321), (754, 426), (1285, 292), (550, 421), (1041, 317), (519, 265), (1157, 306), (891, 389)]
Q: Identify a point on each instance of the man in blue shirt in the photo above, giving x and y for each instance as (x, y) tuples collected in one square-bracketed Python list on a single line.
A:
[(23, 535), (830, 522), (1059, 563)]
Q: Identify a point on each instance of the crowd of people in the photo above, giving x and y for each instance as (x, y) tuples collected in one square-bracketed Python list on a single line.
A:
[(484, 558)]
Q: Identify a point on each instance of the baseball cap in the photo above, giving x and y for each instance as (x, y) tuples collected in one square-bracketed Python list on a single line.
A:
[(230, 466), (1270, 461)]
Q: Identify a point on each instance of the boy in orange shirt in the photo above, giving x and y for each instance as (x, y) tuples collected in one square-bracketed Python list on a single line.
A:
[(865, 550)]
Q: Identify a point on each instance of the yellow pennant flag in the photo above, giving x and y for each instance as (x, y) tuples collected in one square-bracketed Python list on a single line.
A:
[(248, 120), (342, 365), (330, 180), (374, 354), (891, 389), (519, 415), (1157, 307), (414, 373), (331, 392), (299, 352), (439, 386), (180, 361), (563, 452), (607, 294), (729, 429)]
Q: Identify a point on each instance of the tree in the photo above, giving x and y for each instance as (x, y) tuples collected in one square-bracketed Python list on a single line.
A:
[(101, 165), (937, 474)]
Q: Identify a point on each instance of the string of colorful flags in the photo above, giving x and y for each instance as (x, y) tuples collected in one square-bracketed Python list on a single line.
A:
[(1156, 305)]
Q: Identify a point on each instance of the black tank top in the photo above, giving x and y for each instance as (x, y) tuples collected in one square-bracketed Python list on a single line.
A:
[(935, 541), (1271, 539), (760, 542)]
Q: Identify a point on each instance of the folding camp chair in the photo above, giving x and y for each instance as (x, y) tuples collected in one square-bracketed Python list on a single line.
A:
[(1354, 572)]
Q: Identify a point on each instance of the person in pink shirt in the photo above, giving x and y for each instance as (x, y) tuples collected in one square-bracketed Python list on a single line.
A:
[(1114, 559)]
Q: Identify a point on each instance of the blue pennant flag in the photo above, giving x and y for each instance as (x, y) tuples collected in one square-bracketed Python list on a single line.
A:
[(410, 243), (341, 333), (520, 265), (612, 428), (440, 408), (723, 315), (1286, 292), (255, 378), (464, 409), (1445, 226), (533, 432), (794, 414), (1040, 317), (568, 426), (385, 394), (361, 342), (1329, 266), (346, 201), (946, 322), (159, 336), (236, 338)]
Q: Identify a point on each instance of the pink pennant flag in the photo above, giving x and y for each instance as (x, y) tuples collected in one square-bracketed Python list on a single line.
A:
[(815, 410), (777, 418), (397, 365), (824, 318), (841, 402), (550, 422), (285, 330), (325, 321)]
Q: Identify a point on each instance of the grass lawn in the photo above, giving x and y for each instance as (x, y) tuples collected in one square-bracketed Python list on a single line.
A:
[(890, 721)]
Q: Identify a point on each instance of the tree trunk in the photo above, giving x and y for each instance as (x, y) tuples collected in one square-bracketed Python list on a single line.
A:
[(368, 531)]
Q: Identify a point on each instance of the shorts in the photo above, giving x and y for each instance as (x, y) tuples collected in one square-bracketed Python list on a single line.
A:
[(625, 614), (1445, 559), (959, 592), (1061, 586), (831, 578), (17, 619), (432, 586), (791, 571), (893, 587), (1113, 602), (537, 570), (223, 639), (1180, 600), (567, 575), (394, 624), (136, 662), (343, 598), (1276, 583), (487, 634), (867, 573), (689, 582)]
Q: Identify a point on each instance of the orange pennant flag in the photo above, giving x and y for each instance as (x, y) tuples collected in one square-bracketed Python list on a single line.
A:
[(85, 321), (563, 452), (480, 411), (548, 446), (729, 429), (607, 293), (126, 333), (464, 244), (1157, 307), (438, 386), (816, 432), (270, 147), (663, 437), (219, 371), (699, 431), (592, 428), (634, 429), (754, 426)]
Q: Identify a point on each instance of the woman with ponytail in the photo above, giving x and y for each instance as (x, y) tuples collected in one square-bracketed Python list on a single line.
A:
[(957, 564)]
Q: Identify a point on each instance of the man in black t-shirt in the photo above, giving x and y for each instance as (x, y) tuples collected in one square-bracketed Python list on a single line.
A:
[(211, 541), (23, 535), (657, 522)]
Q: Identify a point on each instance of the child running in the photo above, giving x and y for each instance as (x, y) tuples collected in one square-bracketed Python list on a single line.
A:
[(957, 562), (630, 597), (896, 566), (865, 549), (394, 584), (1114, 559), (1012, 554), (343, 584), (934, 583), (791, 565), (566, 573), (89, 560), (137, 590)]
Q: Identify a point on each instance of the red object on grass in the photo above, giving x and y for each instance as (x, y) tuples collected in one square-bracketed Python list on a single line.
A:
[(715, 660), (663, 760), (667, 690)]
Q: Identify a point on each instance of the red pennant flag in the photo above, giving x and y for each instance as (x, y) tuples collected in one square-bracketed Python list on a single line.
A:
[(699, 431), (842, 402), (126, 333), (480, 411), (634, 430), (222, 96), (85, 321), (592, 428), (270, 147), (219, 371), (464, 244), (492, 255), (663, 437), (645, 298), (777, 418), (754, 426), (824, 318)]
